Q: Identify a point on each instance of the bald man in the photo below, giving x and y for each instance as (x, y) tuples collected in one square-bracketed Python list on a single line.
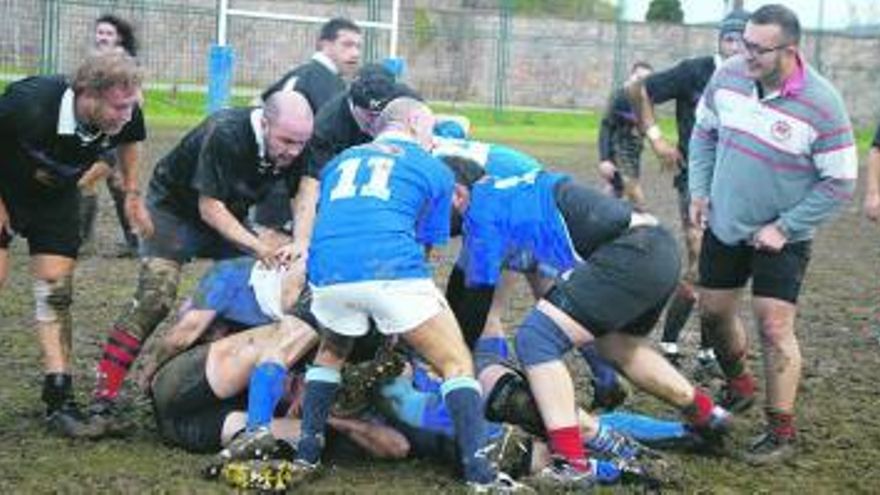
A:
[(198, 198)]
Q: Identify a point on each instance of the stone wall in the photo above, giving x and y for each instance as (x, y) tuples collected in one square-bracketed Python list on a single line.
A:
[(452, 53)]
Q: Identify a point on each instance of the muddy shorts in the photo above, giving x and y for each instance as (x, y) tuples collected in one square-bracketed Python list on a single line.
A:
[(775, 275), (627, 145), (188, 414), (623, 285), (47, 218)]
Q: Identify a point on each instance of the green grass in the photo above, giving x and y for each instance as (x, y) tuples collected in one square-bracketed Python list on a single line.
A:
[(167, 108)]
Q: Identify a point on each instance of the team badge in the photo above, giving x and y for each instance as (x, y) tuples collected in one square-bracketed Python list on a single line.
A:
[(781, 130)]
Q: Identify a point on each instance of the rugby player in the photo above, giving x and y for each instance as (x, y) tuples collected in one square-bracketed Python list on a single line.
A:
[(111, 32), (615, 269), (319, 80), (198, 197), (382, 205), (683, 83), (52, 130), (772, 156), (621, 143)]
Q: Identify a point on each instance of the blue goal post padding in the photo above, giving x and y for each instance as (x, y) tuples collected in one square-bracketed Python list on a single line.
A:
[(221, 60)]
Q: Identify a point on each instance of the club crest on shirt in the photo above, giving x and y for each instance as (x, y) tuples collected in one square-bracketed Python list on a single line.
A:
[(781, 130)]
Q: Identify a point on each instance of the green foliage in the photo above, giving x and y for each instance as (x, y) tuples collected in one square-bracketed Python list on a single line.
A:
[(665, 11)]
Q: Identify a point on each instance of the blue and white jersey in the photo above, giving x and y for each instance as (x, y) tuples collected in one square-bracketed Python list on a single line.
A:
[(515, 219), (226, 288), (380, 204), (496, 159)]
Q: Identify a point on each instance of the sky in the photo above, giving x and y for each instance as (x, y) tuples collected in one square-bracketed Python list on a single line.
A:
[(837, 13)]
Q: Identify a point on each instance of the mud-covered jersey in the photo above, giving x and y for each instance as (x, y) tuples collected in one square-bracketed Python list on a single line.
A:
[(225, 289), (683, 83), (380, 204), (314, 80), (496, 159), (44, 147), (221, 159)]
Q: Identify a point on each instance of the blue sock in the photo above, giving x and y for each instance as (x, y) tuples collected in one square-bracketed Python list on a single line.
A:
[(603, 372), (264, 391), (322, 383), (464, 402), (492, 345)]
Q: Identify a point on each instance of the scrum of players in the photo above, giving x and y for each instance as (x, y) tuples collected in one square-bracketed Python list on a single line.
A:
[(319, 331)]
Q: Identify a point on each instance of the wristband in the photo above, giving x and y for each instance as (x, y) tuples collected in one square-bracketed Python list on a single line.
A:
[(653, 132)]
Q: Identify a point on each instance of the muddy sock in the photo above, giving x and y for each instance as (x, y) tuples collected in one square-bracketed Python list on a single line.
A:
[(322, 383), (464, 402), (781, 424), (120, 351), (743, 385), (678, 312)]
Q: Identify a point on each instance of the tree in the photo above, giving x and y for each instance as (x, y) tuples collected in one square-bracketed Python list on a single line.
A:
[(665, 11)]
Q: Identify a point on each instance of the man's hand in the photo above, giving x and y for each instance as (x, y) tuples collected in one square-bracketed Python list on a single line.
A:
[(670, 157), (291, 254), (266, 254), (699, 213), (98, 171), (137, 214), (872, 206), (606, 170), (5, 224), (769, 238)]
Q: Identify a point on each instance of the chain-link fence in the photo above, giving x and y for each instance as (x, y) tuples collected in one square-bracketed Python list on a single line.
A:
[(488, 52)]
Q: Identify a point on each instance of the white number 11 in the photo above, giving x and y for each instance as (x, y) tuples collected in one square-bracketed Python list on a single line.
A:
[(376, 186)]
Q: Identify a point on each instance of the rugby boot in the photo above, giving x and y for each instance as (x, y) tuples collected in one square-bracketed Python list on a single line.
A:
[(770, 448), (69, 421), (561, 475), (108, 419), (502, 483), (258, 443)]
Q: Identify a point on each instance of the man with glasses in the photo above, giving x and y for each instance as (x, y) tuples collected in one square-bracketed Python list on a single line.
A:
[(772, 156), (683, 83)]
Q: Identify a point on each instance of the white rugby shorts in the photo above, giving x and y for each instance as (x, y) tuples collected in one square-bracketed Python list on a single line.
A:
[(397, 306)]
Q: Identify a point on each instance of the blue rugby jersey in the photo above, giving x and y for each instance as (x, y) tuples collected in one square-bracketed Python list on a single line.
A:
[(380, 204), (496, 159), (225, 288), (515, 217)]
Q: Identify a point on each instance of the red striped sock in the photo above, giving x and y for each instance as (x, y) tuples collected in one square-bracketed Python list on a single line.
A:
[(568, 443), (120, 351), (781, 423)]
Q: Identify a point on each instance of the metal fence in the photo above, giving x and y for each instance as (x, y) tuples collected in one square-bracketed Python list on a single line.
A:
[(476, 51)]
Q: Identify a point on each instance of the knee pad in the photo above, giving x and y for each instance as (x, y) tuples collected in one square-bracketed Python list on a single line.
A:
[(154, 298), (511, 401), (53, 299), (539, 340)]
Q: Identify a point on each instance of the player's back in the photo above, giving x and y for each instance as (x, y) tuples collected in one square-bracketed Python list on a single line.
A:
[(380, 203)]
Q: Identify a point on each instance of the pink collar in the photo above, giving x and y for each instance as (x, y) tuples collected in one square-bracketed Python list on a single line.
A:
[(794, 84)]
